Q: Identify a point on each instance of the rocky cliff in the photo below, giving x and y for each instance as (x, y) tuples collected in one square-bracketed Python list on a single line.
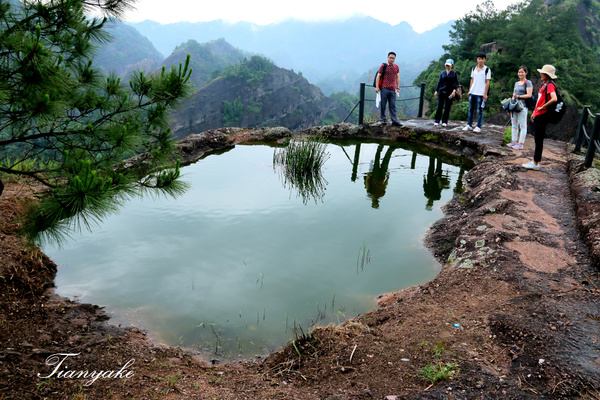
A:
[(281, 98)]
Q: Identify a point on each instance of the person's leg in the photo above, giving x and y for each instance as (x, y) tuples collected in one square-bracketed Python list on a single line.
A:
[(472, 105), (440, 106), (522, 122), (514, 119), (539, 130), (448, 105), (479, 111), (392, 100), (383, 105)]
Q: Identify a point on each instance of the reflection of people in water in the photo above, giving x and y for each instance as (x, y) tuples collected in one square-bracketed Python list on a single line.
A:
[(458, 189), (434, 182), (376, 179)]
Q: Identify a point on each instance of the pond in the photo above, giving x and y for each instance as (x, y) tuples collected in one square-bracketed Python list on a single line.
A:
[(243, 259)]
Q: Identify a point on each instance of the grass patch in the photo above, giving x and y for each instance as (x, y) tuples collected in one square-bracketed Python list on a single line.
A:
[(300, 163), (302, 156), (507, 135), (435, 373)]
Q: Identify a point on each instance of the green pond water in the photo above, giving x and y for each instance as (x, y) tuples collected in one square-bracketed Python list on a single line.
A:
[(243, 258)]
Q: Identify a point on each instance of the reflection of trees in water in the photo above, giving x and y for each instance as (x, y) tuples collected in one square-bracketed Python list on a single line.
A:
[(435, 181), (376, 179)]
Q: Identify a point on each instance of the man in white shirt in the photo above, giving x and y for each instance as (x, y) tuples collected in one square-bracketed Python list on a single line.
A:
[(478, 92)]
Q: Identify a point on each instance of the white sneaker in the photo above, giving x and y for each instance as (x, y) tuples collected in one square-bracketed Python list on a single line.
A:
[(444, 124), (435, 124), (531, 165), (467, 128), (477, 129)]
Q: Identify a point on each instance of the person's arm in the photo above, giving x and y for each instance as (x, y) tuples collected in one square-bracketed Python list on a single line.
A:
[(437, 87), (553, 99), (487, 87), (398, 82), (528, 94), (470, 86), (377, 81), (455, 85)]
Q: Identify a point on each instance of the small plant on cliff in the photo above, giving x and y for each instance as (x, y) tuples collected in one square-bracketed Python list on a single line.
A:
[(438, 372)]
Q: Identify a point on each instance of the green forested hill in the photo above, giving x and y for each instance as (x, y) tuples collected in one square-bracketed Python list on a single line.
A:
[(564, 33), (207, 59), (256, 93)]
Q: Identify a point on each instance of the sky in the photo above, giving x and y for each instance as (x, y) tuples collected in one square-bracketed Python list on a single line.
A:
[(422, 15)]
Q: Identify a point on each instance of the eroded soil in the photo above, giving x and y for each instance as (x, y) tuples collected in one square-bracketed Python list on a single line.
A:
[(513, 314)]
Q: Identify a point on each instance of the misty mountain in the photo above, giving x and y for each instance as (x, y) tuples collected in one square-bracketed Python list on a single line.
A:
[(256, 93), (128, 50), (207, 59), (322, 51)]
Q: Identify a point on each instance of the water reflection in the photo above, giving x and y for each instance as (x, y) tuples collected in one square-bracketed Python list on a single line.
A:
[(377, 178), (434, 182), (236, 264), (306, 186)]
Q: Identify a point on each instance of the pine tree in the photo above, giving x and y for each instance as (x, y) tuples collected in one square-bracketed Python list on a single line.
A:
[(69, 127)]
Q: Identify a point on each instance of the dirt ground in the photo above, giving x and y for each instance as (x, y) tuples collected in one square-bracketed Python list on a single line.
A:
[(513, 314)]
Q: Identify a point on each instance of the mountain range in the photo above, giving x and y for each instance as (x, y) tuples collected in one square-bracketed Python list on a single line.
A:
[(309, 60), (330, 54)]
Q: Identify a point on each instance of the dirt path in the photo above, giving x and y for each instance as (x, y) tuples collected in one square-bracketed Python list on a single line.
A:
[(514, 313)]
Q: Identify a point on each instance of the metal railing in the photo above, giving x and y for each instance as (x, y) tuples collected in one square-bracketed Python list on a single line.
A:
[(362, 100), (583, 138)]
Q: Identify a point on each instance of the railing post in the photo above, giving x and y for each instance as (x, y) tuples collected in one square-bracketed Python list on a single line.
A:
[(589, 156), (361, 107), (580, 128), (421, 100)]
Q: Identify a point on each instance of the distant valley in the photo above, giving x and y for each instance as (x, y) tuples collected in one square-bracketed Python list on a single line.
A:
[(308, 60)]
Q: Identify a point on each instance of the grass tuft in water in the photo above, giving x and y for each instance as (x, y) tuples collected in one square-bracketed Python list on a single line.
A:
[(301, 163), (364, 257), (302, 156)]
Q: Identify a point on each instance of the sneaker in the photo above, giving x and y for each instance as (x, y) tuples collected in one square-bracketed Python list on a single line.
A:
[(444, 124), (467, 128), (518, 146), (477, 129), (531, 165), (511, 144), (435, 124), (396, 124)]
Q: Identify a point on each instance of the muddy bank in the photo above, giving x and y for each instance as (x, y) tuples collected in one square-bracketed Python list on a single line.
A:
[(513, 313)]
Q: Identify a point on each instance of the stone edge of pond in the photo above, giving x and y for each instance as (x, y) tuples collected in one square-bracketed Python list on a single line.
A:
[(453, 139)]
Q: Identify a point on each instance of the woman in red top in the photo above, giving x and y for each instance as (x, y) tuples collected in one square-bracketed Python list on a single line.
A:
[(546, 97)]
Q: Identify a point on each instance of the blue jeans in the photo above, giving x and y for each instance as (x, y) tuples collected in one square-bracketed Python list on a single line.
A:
[(475, 103), (388, 95)]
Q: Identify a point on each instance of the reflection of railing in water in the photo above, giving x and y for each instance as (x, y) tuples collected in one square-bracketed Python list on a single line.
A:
[(361, 102)]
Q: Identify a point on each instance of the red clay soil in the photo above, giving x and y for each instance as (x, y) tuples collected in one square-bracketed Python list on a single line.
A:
[(513, 314)]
